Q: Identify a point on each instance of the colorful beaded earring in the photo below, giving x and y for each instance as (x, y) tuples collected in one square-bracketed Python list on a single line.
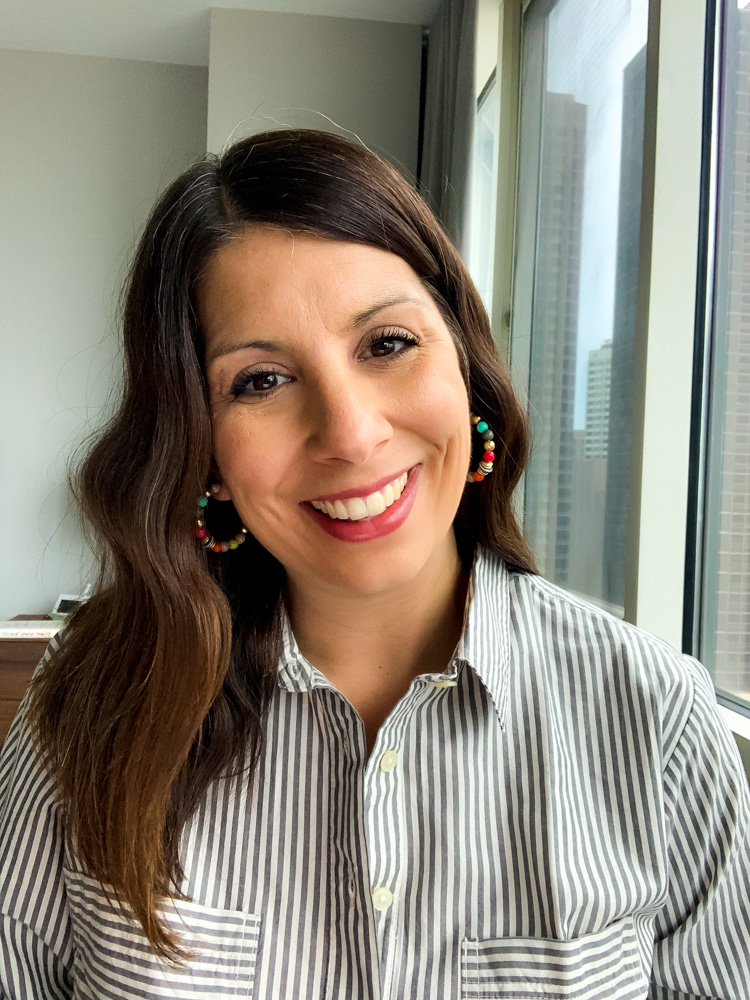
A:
[(202, 532), (488, 443)]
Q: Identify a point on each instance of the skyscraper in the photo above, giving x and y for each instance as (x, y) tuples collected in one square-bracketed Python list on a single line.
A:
[(623, 335), (597, 401), (554, 335)]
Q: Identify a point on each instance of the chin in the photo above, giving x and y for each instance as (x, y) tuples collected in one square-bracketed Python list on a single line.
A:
[(378, 566)]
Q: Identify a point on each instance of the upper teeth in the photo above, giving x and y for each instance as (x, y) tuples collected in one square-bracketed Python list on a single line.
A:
[(357, 508)]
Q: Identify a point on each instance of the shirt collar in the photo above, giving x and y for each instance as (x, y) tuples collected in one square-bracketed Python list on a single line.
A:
[(484, 644)]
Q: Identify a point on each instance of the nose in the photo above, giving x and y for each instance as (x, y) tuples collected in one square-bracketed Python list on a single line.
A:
[(347, 422)]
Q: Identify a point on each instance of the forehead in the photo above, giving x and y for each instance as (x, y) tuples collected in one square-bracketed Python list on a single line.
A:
[(277, 274)]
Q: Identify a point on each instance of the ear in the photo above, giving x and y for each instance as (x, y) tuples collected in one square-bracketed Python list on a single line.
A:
[(222, 494), (214, 476)]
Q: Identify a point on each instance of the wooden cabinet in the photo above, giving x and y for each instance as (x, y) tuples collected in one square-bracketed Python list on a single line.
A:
[(18, 658)]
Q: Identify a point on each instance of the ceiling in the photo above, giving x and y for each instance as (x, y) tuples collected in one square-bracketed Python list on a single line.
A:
[(171, 31)]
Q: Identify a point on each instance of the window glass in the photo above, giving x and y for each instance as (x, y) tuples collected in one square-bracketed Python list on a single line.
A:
[(484, 191), (575, 288), (725, 612)]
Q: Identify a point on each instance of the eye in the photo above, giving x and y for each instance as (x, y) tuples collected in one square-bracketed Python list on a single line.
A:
[(259, 383), (384, 346)]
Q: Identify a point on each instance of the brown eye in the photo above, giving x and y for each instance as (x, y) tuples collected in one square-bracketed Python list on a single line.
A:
[(391, 345), (257, 383)]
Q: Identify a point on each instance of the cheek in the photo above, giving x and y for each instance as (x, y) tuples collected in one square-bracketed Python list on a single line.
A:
[(250, 461), (441, 405)]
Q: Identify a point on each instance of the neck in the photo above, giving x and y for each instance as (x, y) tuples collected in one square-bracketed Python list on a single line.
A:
[(383, 640)]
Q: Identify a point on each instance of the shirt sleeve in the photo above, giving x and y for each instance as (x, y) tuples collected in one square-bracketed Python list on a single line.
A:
[(702, 933), (36, 950)]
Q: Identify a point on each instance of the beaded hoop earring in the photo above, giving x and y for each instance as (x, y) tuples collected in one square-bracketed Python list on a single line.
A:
[(202, 532), (209, 542), (488, 442)]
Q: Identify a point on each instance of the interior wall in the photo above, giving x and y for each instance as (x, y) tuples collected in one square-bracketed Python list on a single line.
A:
[(309, 71), (88, 144)]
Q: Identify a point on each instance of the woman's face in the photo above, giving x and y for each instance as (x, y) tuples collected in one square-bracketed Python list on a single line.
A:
[(333, 377)]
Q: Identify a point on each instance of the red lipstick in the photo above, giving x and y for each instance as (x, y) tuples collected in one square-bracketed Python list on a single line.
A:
[(368, 528), (361, 491)]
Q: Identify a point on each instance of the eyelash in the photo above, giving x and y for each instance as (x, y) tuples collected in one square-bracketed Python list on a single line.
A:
[(244, 378)]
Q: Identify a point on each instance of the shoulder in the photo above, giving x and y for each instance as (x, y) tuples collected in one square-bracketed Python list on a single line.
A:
[(574, 635)]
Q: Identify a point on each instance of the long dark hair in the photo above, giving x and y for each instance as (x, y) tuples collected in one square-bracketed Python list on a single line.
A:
[(164, 676)]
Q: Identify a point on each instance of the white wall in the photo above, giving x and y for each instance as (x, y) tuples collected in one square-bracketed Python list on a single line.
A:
[(87, 145), (304, 69)]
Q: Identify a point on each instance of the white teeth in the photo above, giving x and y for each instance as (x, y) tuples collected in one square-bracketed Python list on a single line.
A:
[(375, 504), (341, 511), (358, 508)]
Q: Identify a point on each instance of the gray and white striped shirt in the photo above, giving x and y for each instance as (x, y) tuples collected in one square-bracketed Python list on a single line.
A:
[(562, 813)]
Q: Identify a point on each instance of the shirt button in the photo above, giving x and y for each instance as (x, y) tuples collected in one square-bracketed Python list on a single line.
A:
[(389, 760), (382, 898), (445, 684)]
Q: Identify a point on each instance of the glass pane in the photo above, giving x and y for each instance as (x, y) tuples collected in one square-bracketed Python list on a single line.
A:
[(484, 191), (583, 86), (725, 624)]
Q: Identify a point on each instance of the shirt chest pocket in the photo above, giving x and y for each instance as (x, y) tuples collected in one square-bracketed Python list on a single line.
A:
[(602, 964), (114, 961)]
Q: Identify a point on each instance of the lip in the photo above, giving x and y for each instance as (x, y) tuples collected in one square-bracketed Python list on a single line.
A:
[(362, 491), (383, 524)]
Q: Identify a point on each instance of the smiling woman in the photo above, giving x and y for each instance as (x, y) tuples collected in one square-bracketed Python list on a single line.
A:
[(322, 731)]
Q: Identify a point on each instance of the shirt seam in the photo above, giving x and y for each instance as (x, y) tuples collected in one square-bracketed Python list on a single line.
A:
[(686, 720)]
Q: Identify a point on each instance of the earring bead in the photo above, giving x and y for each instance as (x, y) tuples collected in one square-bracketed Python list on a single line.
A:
[(485, 466), (201, 531)]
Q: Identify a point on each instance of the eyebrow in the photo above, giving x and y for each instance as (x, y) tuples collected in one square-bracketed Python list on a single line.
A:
[(277, 346)]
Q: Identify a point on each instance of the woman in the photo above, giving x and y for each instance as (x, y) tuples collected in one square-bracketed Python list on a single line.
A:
[(328, 734)]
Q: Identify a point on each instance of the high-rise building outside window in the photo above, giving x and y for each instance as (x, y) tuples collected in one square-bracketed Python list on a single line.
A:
[(724, 611)]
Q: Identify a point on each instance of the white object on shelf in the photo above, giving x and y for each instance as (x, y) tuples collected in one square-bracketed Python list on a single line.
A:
[(36, 629)]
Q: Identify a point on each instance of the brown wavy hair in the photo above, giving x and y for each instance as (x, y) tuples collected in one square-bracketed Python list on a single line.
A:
[(164, 677)]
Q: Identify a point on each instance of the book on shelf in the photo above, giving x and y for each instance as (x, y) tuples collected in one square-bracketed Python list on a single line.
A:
[(41, 629)]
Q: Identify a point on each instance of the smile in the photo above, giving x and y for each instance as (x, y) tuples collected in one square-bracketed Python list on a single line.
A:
[(359, 508), (362, 519)]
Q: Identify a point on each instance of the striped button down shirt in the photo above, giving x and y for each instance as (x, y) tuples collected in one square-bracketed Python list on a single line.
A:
[(562, 813)]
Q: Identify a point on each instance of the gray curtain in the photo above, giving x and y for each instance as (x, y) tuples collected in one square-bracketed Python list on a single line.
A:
[(450, 109)]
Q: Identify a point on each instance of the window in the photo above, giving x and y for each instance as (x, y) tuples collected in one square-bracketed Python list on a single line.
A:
[(480, 258), (583, 70), (484, 191)]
